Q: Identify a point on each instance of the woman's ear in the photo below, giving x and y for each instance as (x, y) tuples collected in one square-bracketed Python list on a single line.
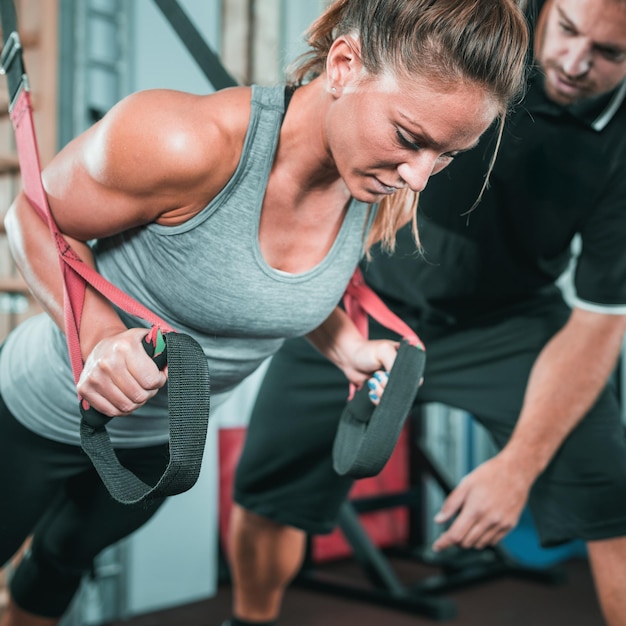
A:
[(343, 64)]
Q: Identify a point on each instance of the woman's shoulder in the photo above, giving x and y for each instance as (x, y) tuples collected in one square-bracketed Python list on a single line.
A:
[(161, 111), (173, 134), (157, 153)]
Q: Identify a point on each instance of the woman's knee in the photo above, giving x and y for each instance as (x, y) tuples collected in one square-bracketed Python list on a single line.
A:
[(44, 584)]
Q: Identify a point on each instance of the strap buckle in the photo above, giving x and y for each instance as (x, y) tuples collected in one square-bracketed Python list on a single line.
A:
[(12, 65), (12, 46)]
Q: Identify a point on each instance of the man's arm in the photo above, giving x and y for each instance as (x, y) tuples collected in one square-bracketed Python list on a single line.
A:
[(565, 381)]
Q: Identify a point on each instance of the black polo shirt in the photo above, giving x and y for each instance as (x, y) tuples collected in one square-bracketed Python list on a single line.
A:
[(560, 171)]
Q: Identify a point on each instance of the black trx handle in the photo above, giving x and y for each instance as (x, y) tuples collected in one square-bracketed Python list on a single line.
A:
[(156, 349), (188, 395), (367, 434)]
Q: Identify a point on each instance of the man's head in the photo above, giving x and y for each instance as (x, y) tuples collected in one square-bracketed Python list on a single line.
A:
[(581, 47)]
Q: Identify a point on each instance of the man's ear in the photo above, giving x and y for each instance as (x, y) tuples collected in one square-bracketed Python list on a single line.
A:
[(540, 28), (343, 63)]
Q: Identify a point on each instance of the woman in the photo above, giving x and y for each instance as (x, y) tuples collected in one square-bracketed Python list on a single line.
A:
[(239, 223)]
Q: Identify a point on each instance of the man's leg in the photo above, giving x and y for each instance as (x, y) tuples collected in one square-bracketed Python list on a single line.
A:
[(265, 557), (483, 371), (14, 616), (285, 486), (285, 480), (580, 494), (608, 563)]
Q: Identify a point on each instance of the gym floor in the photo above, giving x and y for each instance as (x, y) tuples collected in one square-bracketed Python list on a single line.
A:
[(502, 601)]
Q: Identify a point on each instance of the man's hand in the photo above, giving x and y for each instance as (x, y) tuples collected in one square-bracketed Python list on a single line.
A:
[(487, 504)]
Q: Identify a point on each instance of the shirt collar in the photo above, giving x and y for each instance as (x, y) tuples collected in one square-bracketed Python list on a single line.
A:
[(595, 112)]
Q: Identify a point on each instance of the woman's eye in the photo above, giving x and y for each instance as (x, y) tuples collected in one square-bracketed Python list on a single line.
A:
[(447, 158), (406, 142)]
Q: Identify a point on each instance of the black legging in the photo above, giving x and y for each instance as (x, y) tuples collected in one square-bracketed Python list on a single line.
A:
[(50, 490)]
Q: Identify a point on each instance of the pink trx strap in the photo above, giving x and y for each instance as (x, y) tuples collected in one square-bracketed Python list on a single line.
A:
[(76, 273), (360, 301), (367, 434)]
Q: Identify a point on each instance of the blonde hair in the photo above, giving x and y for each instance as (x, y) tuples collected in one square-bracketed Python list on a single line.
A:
[(478, 41)]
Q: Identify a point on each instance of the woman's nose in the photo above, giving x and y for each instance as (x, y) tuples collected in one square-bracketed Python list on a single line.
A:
[(416, 171)]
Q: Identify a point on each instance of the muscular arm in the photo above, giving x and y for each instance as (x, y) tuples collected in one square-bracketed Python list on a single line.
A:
[(566, 380), (157, 156)]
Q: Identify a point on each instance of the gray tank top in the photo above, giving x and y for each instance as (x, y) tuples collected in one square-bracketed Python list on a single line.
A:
[(207, 278)]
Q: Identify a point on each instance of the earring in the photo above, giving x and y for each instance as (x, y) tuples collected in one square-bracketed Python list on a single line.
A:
[(333, 89)]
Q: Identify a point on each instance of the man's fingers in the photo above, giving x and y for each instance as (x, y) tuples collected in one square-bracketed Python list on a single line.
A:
[(479, 536), (472, 530), (452, 505), (490, 538), (467, 531), (454, 535)]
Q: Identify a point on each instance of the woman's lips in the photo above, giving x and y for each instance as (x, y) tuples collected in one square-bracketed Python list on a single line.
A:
[(384, 189)]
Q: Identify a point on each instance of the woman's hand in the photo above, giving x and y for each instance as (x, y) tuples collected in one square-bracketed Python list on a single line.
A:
[(358, 358), (371, 361), (376, 385), (118, 376)]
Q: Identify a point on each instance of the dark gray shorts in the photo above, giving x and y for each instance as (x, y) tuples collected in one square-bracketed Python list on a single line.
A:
[(285, 472)]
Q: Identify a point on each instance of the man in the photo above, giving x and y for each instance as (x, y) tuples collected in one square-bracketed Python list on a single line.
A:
[(501, 342)]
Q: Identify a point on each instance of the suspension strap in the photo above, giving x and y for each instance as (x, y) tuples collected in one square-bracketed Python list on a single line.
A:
[(367, 434), (360, 301)]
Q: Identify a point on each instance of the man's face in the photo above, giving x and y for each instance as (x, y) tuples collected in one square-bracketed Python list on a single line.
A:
[(581, 46)]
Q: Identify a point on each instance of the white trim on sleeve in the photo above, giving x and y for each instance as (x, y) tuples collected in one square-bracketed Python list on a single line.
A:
[(609, 309)]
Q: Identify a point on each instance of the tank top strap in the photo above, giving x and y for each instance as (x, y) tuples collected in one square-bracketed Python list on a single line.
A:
[(269, 97)]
